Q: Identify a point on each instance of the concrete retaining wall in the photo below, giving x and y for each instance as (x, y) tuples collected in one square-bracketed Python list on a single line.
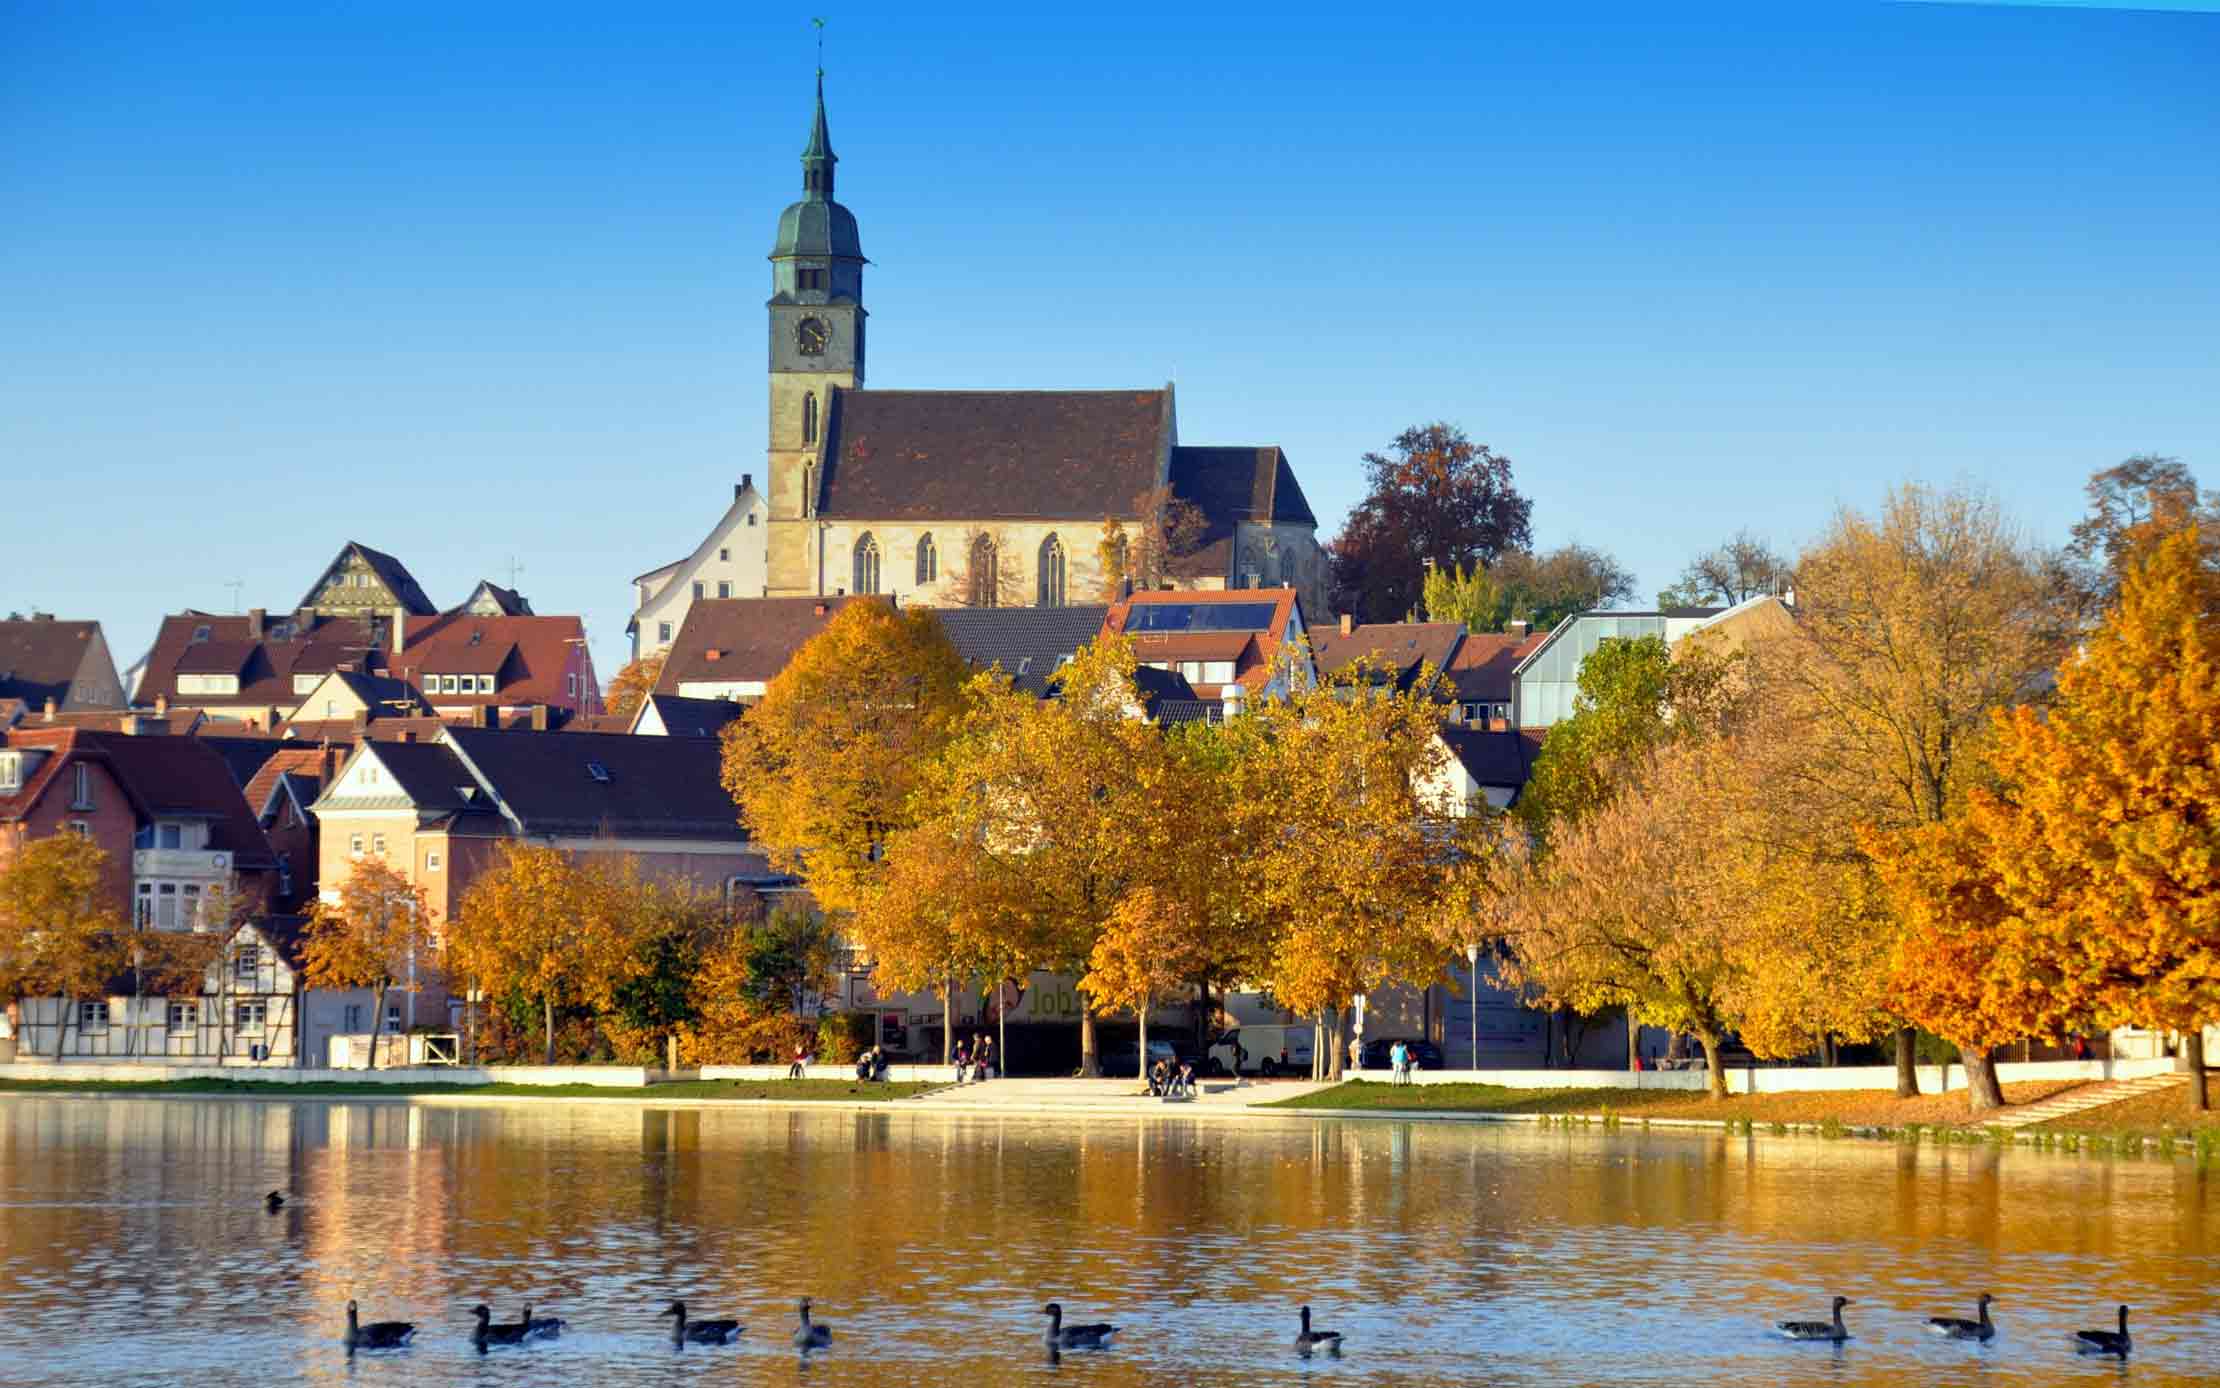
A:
[(895, 1073), (601, 1076), (1781, 1079)]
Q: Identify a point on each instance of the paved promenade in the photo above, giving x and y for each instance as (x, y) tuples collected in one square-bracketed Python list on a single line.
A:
[(1063, 1095)]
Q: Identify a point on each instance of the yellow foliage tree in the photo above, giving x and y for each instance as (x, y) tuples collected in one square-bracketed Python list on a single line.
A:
[(61, 936), (376, 935), (1149, 948), (1343, 867), (543, 927), (823, 768)]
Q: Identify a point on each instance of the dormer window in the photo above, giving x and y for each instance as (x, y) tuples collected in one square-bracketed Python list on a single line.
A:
[(11, 771)]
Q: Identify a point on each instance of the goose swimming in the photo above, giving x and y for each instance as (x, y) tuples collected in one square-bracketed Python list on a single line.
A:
[(1309, 1339), (1833, 1330), (1062, 1336), (488, 1333), (2115, 1342), (540, 1327), (377, 1334), (1959, 1328), (711, 1332), (809, 1336)]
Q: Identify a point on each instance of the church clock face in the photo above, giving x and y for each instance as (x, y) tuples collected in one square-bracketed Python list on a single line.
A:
[(811, 335)]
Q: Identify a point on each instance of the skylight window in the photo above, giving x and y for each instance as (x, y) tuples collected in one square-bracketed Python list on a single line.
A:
[(598, 772), (1201, 616)]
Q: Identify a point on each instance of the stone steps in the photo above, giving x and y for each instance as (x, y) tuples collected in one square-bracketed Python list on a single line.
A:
[(2081, 1100)]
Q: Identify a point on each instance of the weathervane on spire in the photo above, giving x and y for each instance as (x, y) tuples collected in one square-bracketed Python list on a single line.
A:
[(820, 45)]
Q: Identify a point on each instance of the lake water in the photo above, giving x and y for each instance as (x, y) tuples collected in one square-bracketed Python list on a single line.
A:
[(135, 1249)]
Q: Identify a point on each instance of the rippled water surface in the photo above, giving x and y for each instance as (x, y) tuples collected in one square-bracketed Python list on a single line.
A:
[(135, 1249)]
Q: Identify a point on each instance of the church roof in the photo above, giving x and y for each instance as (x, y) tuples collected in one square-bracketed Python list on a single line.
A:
[(933, 455), (1231, 486)]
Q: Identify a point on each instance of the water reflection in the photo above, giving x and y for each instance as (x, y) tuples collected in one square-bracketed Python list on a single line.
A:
[(1496, 1254)]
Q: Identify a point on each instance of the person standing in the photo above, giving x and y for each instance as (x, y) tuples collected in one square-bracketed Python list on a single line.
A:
[(1399, 1058), (963, 1061), (982, 1063)]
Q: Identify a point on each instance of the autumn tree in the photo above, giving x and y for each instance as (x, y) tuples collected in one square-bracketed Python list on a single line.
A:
[(674, 927), (1469, 596), (1343, 871), (1743, 567), (1149, 948), (631, 686), (376, 934), (1114, 559), (988, 571), (2133, 506), (1636, 905), (1544, 589), (823, 768), (61, 935), (1911, 625), (1172, 529), (2089, 878), (1435, 498), (542, 927), (936, 915)]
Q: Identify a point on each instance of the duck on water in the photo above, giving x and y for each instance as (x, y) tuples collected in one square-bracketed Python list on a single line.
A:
[(377, 1334), (1308, 1339), (2112, 1342), (1062, 1336), (1833, 1330), (810, 1336), (489, 1334), (709, 1332), (1959, 1328)]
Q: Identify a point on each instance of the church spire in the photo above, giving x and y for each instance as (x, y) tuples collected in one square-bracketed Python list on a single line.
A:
[(818, 159)]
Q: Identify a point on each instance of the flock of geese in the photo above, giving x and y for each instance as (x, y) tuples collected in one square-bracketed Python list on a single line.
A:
[(2107, 1342), (687, 1331)]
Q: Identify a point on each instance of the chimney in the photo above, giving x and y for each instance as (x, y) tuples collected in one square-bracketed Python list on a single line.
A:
[(1519, 629), (400, 630), (257, 619), (1348, 624), (747, 480), (820, 609), (487, 716), (161, 705), (50, 710), (327, 759), (361, 721), (1232, 696), (539, 718)]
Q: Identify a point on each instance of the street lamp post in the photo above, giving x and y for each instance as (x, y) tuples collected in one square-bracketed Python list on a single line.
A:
[(1472, 954)]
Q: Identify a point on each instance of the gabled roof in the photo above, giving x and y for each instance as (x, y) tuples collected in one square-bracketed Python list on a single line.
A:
[(391, 572), (300, 644), (505, 602), (41, 659), (302, 766), (164, 777), (1048, 455), (1028, 644), (679, 717), (1251, 485), (1480, 671), (1244, 625), (528, 656), (745, 640), (1500, 759), (1399, 648), (575, 784)]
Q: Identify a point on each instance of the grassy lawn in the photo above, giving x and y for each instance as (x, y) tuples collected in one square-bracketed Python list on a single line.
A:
[(1851, 1108), (846, 1090), (2148, 1113)]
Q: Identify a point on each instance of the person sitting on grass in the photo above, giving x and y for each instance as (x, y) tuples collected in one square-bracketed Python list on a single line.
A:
[(802, 1058)]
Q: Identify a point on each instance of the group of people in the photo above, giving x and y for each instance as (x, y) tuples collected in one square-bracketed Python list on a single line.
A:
[(975, 1059), (871, 1065), (1172, 1080), (1399, 1060)]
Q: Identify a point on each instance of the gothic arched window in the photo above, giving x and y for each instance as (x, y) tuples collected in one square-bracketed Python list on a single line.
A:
[(809, 489), (928, 561), (809, 417), (867, 565), (1051, 586), (1287, 568), (985, 588)]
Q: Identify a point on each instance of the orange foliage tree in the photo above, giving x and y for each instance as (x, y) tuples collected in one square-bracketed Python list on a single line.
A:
[(377, 935), (60, 934), (2090, 878), (631, 685), (824, 767), (543, 927)]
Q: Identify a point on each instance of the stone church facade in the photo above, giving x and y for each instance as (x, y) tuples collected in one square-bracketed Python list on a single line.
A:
[(983, 497)]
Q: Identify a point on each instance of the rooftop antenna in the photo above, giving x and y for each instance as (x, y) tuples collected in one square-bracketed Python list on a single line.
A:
[(237, 586), (514, 569)]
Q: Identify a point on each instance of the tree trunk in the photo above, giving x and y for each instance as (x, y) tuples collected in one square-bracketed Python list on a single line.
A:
[(1830, 1055), (948, 1022), (547, 1016), (1907, 1065), (1633, 1043), (1982, 1093), (1318, 1045), (377, 1023), (1090, 1064), (2193, 1055), (1142, 1070), (1716, 1078), (1336, 1041)]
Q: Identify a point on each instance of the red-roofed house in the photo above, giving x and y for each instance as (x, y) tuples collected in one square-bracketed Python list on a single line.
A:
[(1220, 642)]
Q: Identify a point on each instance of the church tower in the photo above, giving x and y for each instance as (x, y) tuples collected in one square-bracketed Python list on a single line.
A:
[(817, 318)]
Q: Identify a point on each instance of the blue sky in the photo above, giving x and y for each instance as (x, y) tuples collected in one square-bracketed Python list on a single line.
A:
[(477, 282)]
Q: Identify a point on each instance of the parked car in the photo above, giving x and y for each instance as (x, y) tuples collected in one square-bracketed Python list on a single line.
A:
[(1261, 1049), (1425, 1055), (1118, 1061)]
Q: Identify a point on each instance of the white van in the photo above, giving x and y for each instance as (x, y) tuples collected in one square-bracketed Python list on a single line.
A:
[(1267, 1050)]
